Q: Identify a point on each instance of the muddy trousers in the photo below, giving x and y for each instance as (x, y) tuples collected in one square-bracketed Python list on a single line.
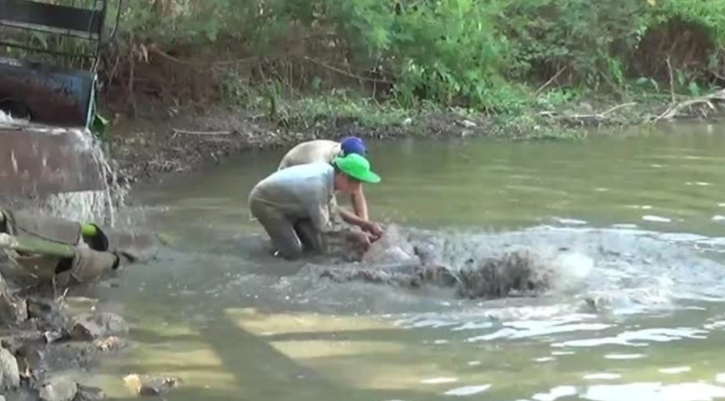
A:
[(291, 237)]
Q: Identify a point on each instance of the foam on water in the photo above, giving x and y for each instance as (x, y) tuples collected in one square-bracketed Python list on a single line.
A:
[(617, 272)]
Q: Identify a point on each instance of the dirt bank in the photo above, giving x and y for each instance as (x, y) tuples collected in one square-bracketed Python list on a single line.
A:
[(167, 140), (149, 149)]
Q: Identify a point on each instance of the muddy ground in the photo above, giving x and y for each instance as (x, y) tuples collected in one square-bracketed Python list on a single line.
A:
[(149, 149), (164, 140)]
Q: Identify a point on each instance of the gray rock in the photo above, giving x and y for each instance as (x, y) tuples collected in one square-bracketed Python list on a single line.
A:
[(58, 389), (150, 386), (9, 372), (91, 326), (48, 317), (12, 309), (87, 393)]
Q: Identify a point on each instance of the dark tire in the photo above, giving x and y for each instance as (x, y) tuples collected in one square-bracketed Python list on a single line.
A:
[(15, 109)]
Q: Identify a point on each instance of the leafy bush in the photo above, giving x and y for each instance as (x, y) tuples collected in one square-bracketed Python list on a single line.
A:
[(483, 54)]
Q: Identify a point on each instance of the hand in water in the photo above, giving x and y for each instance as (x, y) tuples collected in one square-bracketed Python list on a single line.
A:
[(362, 238), (375, 229)]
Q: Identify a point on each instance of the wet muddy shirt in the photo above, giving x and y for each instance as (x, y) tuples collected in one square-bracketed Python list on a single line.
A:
[(320, 150), (304, 191)]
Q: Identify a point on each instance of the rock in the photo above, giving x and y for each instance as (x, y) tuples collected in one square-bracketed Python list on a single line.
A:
[(9, 372), (109, 344), (91, 326), (87, 393), (67, 356), (17, 340), (48, 316), (53, 336), (30, 358), (12, 308), (58, 389), (149, 386)]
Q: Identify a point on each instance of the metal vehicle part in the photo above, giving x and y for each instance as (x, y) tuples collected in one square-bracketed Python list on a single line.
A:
[(52, 150)]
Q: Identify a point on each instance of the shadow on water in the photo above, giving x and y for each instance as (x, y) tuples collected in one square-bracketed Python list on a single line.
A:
[(260, 371)]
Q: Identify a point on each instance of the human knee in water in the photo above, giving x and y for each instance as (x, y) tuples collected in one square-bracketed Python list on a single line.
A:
[(306, 192), (325, 151)]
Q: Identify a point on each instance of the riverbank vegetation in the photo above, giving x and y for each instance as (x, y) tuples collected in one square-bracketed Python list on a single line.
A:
[(311, 65), (300, 62)]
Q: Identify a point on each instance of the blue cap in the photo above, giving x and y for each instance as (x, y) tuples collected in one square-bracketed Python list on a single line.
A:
[(353, 144)]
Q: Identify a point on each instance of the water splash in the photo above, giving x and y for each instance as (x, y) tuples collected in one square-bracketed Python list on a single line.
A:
[(601, 272), (96, 206)]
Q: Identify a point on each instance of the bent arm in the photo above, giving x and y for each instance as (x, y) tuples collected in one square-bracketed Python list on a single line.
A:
[(327, 228), (360, 205), (351, 218), (321, 216)]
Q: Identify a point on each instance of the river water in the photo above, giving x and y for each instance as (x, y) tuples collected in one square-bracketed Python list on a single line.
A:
[(643, 211)]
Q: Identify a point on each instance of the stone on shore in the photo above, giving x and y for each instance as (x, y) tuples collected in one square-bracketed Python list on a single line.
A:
[(58, 388), (92, 326), (9, 372)]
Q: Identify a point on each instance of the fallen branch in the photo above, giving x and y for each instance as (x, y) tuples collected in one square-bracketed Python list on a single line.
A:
[(547, 83), (592, 116), (630, 104), (181, 131), (346, 73), (192, 64), (707, 100)]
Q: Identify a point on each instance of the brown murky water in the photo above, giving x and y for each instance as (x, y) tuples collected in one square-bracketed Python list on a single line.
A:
[(646, 210)]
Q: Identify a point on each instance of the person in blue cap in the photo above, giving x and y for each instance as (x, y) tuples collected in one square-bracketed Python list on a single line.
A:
[(324, 150), (295, 205)]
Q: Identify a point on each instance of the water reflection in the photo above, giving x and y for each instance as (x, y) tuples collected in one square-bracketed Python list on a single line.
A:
[(467, 390), (639, 338), (654, 392)]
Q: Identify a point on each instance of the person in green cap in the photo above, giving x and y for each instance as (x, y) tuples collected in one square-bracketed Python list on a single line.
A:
[(295, 205), (323, 150)]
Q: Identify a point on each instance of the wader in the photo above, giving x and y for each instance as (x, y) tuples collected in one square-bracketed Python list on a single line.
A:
[(91, 257), (290, 236)]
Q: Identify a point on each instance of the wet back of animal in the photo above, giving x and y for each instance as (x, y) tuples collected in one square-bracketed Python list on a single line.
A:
[(392, 247)]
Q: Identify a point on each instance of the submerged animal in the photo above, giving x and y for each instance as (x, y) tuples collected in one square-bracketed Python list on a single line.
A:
[(459, 263)]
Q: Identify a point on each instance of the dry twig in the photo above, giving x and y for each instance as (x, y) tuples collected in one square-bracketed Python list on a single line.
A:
[(181, 131), (593, 116), (672, 81), (547, 83), (707, 100)]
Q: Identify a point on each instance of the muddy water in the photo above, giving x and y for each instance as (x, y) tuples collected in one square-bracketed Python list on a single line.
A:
[(645, 213)]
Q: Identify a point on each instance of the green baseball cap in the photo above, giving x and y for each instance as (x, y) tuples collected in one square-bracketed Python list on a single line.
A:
[(357, 167)]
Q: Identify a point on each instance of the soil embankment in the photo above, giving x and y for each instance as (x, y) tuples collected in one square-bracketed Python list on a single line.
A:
[(174, 142)]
